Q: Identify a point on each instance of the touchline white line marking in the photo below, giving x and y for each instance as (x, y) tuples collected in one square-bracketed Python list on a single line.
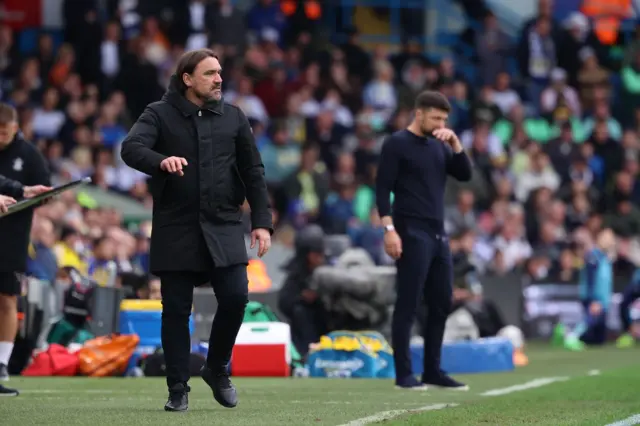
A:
[(388, 415), (543, 381), (96, 391), (593, 373), (630, 421)]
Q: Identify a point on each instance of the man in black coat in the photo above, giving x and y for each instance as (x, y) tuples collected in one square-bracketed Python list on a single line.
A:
[(20, 164), (203, 162)]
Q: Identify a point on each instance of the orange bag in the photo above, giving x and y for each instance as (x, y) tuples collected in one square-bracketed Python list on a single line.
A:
[(107, 356)]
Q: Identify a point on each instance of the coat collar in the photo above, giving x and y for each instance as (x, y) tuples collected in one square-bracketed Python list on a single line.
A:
[(187, 108)]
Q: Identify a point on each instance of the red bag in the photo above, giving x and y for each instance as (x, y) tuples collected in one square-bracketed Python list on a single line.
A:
[(55, 361)]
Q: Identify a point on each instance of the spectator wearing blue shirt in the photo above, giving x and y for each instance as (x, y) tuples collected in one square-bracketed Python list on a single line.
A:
[(42, 262), (596, 288), (281, 157)]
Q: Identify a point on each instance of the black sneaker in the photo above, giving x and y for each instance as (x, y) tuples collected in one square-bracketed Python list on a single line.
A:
[(410, 383), (223, 390), (4, 391), (4, 373), (178, 398), (443, 381)]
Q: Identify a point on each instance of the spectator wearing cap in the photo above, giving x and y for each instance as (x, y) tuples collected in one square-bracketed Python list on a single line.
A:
[(592, 76), (573, 36), (296, 300), (559, 99)]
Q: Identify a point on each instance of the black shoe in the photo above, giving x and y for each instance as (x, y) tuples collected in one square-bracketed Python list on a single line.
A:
[(4, 373), (8, 391), (223, 390), (443, 381), (410, 383), (178, 398)]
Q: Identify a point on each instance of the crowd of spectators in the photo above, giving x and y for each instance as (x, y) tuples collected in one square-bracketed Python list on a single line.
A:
[(553, 135)]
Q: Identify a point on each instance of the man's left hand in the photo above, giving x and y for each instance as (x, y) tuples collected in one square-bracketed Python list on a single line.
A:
[(449, 136), (32, 191), (264, 241)]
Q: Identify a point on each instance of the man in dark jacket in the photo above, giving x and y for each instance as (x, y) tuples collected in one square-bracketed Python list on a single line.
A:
[(202, 159), (20, 164)]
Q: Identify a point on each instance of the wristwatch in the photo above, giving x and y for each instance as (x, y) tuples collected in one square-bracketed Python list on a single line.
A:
[(389, 228)]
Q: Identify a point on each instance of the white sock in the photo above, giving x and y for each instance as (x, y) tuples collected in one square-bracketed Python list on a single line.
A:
[(5, 352)]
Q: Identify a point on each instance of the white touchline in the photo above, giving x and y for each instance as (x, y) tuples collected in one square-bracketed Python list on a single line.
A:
[(630, 421), (388, 415), (543, 381), (97, 391)]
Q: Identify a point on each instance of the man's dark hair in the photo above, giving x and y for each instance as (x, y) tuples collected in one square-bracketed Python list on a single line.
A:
[(188, 63), (430, 99), (8, 114)]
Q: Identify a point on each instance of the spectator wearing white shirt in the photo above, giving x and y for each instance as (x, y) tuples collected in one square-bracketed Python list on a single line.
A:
[(48, 120), (512, 245), (503, 95), (540, 174), (249, 103)]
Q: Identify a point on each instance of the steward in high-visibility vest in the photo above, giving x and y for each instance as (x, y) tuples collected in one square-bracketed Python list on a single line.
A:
[(607, 16)]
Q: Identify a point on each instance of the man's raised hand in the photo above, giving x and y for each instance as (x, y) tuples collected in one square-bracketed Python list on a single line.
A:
[(174, 165)]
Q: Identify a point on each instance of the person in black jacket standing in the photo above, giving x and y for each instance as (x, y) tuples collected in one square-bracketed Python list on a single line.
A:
[(203, 162), (414, 165), (20, 164)]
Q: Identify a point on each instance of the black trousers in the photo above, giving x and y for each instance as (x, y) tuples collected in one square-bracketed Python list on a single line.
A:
[(307, 325), (231, 287), (424, 273)]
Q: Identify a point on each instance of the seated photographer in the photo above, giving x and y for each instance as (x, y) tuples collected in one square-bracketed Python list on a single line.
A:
[(296, 300)]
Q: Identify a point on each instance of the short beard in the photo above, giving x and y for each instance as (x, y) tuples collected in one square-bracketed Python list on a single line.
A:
[(425, 130), (206, 97)]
